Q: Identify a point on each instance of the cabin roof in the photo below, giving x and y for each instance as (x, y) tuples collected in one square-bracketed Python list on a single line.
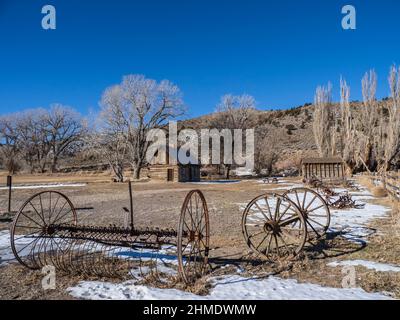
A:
[(328, 160)]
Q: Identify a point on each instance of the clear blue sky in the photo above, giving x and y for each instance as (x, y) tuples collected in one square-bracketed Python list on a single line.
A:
[(277, 51)]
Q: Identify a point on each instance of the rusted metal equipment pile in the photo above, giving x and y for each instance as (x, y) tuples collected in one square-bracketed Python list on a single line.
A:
[(46, 232)]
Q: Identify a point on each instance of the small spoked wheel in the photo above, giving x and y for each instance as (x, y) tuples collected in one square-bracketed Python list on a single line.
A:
[(32, 232), (273, 227), (193, 237), (314, 209)]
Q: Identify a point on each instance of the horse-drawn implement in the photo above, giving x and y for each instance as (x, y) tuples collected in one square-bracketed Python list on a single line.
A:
[(277, 226), (46, 231)]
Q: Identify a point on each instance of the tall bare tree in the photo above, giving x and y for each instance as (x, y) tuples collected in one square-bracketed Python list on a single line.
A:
[(324, 121), (137, 105), (110, 146), (34, 144), (346, 132), (233, 112), (65, 128), (390, 129), (9, 139), (369, 118), (266, 151)]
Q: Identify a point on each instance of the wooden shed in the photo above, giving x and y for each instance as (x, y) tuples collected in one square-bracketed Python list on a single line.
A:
[(323, 168), (174, 173), (164, 168)]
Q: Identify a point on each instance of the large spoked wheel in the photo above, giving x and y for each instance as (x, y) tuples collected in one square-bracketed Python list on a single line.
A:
[(32, 232), (273, 227), (314, 209), (193, 237)]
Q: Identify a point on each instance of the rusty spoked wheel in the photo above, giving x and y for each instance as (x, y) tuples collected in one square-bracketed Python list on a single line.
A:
[(314, 209), (273, 227), (193, 237), (33, 232)]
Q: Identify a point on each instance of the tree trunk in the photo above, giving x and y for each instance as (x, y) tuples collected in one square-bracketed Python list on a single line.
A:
[(119, 172), (43, 168), (227, 172), (54, 165), (136, 172)]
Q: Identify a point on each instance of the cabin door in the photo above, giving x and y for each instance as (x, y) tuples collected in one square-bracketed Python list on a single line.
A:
[(170, 175)]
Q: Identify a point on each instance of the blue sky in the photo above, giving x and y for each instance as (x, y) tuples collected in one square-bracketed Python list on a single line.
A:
[(277, 51)]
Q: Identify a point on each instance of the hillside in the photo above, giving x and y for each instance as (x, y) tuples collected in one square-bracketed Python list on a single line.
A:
[(289, 132)]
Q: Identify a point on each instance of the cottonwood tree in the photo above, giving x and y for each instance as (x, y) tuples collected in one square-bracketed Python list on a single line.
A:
[(369, 117), (233, 112), (34, 143), (40, 137), (347, 135), (65, 129), (9, 138), (136, 106), (110, 141), (110, 146), (389, 127), (324, 124), (267, 153)]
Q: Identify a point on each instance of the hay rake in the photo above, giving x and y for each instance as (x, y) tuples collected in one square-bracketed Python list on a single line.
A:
[(277, 226), (46, 232)]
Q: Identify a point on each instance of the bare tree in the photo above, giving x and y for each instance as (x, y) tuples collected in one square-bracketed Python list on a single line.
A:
[(324, 121), (348, 147), (233, 112), (9, 138), (110, 146), (369, 118), (266, 154), (65, 128), (137, 105), (34, 142), (390, 129)]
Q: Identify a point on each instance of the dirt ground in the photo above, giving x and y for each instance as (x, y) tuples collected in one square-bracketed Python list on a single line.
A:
[(158, 205)]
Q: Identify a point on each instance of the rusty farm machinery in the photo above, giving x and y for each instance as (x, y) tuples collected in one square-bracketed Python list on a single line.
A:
[(277, 226), (46, 232)]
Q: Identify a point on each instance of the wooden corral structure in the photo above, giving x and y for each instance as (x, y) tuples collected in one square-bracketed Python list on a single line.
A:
[(323, 168)]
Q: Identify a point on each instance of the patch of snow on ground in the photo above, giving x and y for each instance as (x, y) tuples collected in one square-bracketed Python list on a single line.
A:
[(241, 172), (382, 267), (231, 287), (6, 254), (43, 186), (353, 223), (217, 182)]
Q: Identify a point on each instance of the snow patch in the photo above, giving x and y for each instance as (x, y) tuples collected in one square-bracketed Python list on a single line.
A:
[(6, 254), (45, 186), (243, 171), (217, 182), (381, 267), (232, 287), (352, 222)]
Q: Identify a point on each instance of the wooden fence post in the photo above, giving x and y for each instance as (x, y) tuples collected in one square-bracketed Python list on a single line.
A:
[(9, 185)]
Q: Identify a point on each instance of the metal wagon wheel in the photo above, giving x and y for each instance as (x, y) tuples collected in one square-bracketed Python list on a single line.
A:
[(193, 237), (273, 227), (32, 230), (314, 209)]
